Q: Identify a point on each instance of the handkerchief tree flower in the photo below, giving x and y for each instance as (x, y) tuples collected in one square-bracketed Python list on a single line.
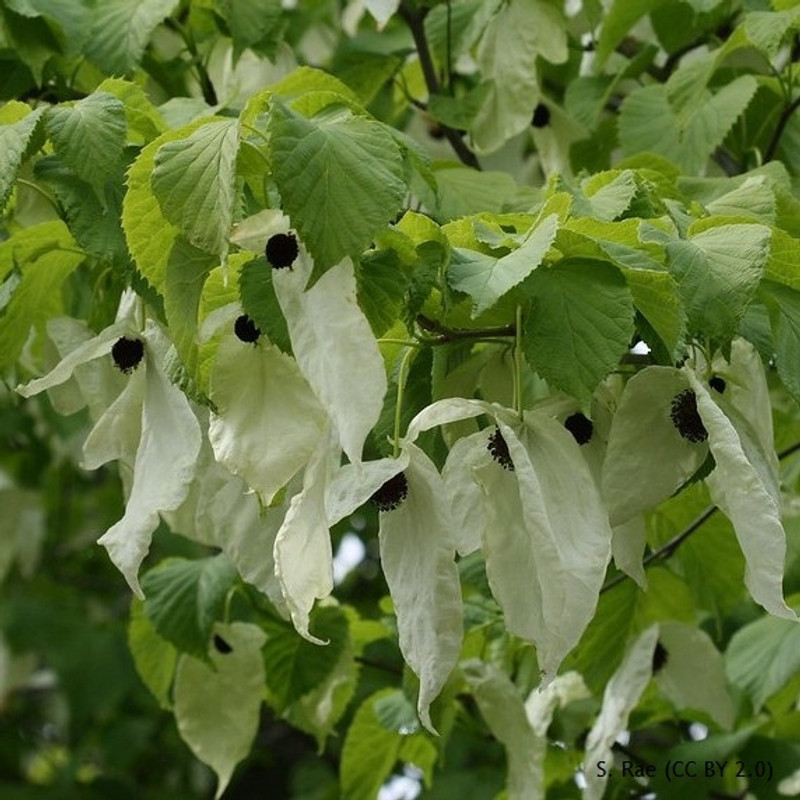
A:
[(558, 422)]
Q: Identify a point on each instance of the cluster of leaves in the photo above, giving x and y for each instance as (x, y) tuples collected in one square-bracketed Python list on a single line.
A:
[(247, 282)]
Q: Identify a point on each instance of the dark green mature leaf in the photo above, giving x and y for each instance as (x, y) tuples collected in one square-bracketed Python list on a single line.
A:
[(253, 23), (382, 284), (340, 179), (194, 181), (295, 666), (260, 303), (17, 126), (718, 271), (73, 18), (184, 598), (89, 136), (122, 29), (579, 325)]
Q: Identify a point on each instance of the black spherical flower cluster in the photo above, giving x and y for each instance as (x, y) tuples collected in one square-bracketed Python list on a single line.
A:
[(392, 493), (245, 329), (541, 116), (660, 658), (685, 417), (281, 250), (717, 384), (580, 426), (498, 447), (127, 353)]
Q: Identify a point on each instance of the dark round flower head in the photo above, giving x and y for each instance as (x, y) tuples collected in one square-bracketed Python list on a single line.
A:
[(127, 353), (660, 658), (498, 447), (221, 645), (580, 426), (541, 116), (717, 384), (392, 493), (245, 329), (281, 250), (685, 417)]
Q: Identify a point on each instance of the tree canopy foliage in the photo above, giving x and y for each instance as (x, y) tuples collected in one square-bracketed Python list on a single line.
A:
[(503, 296)]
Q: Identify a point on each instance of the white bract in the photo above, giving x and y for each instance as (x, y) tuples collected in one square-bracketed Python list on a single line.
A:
[(156, 413)]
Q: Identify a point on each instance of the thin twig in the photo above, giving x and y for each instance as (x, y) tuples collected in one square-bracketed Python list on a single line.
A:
[(783, 121), (415, 21)]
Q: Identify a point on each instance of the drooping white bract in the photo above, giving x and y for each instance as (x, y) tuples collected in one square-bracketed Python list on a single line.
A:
[(736, 485), (267, 421), (647, 459), (545, 541), (620, 697), (334, 347), (417, 547), (165, 456)]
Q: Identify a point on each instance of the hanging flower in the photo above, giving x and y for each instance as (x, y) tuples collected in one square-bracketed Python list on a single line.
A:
[(670, 421), (150, 427)]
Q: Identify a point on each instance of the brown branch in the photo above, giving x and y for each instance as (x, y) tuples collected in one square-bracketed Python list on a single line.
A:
[(444, 334), (415, 21), (783, 121)]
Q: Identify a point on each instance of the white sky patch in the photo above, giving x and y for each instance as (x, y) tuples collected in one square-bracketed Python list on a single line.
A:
[(349, 555), (640, 349), (402, 787), (698, 731)]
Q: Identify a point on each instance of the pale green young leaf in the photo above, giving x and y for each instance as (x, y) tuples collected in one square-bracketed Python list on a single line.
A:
[(194, 182), (144, 120), (185, 598), (766, 29), (763, 656), (217, 706), (503, 710), (340, 179), (593, 297), (334, 348), (303, 555), (89, 136), (164, 467), (122, 29), (621, 695), (462, 191), (155, 658), (608, 194), (487, 279), (633, 481), (693, 676), (718, 271), (267, 421), (753, 198), (737, 488), (417, 549), (515, 36), (783, 265), (18, 126)]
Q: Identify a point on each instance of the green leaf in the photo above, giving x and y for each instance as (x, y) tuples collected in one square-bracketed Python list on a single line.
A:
[(150, 236), (253, 23), (763, 656), (184, 598), (619, 18), (122, 29), (462, 191), (340, 179), (783, 265), (155, 658), (688, 139), (718, 272), (217, 706), (89, 136), (487, 279), (515, 36), (72, 17), (591, 297), (194, 181), (143, 118), (382, 285), (46, 255), (18, 126), (296, 667), (786, 327), (370, 751), (260, 303)]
